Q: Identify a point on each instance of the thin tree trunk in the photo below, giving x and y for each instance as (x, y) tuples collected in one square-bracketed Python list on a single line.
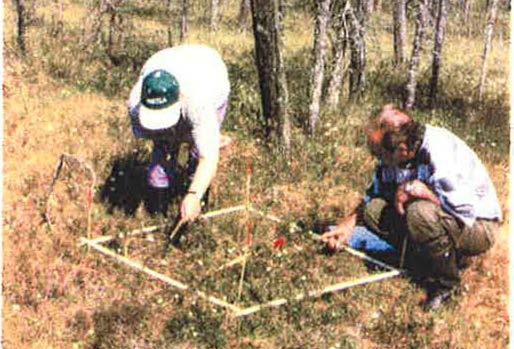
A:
[(57, 18), (244, 10), (319, 53), (213, 23), (378, 5), (358, 51), (417, 47), (442, 16), (183, 20), (110, 35), (170, 26), (400, 30), (115, 25), (465, 6), (285, 122), (487, 45), (93, 28), (267, 30), (22, 26), (466, 11), (334, 86), (369, 6)]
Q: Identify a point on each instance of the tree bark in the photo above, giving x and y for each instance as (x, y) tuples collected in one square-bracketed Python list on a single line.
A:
[(465, 6), (442, 17), (22, 25), (493, 8), (110, 35), (115, 28), (170, 26), (368, 6), (57, 18), (417, 47), (334, 86), (242, 18), (358, 50), (319, 53), (267, 30), (400, 30), (213, 23), (183, 20), (377, 5)]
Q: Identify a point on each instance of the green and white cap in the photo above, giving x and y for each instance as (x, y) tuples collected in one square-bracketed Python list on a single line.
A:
[(160, 103)]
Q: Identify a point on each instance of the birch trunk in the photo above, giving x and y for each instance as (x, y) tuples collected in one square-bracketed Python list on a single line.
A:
[(319, 53), (242, 18), (169, 15), (267, 30), (417, 47), (57, 18), (369, 6), (110, 34), (334, 86), (22, 25), (400, 30), (358, 51), (213, 23), (183, 20), (442, 17), (493, 8)]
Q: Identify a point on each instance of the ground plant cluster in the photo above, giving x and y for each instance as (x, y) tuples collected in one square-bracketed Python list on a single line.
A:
[(67, 96)]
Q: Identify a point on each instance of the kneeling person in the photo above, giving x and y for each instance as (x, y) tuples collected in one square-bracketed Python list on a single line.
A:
[(181, 96), (432, 188)]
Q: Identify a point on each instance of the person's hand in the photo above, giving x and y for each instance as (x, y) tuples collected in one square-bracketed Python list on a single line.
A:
[(401, 198), (340, 235), (415, 189), (190, 207)]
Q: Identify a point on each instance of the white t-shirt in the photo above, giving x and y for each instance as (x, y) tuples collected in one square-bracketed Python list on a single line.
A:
[(204, 87)]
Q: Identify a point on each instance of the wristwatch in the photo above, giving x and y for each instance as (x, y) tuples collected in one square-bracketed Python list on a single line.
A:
[(193, 192)]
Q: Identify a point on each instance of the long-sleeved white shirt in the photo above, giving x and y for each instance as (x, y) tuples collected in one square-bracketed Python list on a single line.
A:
[(459, 178), (452, 170)]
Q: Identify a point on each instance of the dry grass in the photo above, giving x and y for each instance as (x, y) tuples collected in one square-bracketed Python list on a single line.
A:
[(57, 295)]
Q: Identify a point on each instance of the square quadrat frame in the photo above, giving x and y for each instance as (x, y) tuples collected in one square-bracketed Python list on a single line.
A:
[(235, 309)]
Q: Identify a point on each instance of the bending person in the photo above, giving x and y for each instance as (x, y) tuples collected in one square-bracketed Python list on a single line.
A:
[(181, 96)]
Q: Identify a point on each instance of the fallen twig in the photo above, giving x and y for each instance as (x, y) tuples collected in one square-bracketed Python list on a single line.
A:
[(67, 159)]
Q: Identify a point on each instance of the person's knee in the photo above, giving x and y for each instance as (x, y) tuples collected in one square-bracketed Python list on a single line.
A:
[(372, 213), (423, 221)]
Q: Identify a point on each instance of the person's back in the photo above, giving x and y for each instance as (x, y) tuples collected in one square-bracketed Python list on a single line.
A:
[(201, 75), (460, 177)]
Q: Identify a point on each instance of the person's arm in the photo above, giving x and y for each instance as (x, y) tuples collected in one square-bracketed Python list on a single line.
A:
[(207, 141), (413, 190), (342, 232), (453, 179), (191, 204)]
